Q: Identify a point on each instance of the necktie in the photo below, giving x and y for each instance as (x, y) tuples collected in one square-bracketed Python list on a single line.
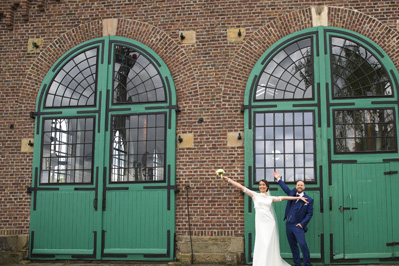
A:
[(297, 195)]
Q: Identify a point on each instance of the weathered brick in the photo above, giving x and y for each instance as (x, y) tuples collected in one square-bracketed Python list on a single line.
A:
[(210, 77)]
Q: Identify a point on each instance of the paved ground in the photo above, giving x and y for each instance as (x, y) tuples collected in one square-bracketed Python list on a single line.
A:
[(90, 263), (119, 263)]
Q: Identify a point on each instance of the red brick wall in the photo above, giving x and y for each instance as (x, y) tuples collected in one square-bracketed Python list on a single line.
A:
[(210, 78)]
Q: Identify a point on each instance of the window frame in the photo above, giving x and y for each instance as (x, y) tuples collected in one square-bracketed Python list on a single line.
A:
[(42, 148), (111, 169), (377, 54), (364, 109), (303, 111), (103, 105), (264, 63)]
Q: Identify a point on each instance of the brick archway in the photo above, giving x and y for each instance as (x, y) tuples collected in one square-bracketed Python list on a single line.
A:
[(261, 39), (159, 41)]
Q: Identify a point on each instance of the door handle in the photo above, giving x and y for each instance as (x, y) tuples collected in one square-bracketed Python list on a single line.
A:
[(342, 209)]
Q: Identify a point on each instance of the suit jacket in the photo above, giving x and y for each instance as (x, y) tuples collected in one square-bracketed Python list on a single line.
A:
[(305, 211)]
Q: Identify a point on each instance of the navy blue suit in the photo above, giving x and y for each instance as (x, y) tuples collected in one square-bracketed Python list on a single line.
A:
[(297, 212)]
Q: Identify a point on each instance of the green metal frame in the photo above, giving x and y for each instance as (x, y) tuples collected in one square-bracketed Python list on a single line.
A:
[(126, 213), (326, 227)]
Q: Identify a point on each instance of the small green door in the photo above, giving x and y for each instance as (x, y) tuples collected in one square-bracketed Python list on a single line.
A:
[(364, 211), (103, 181)]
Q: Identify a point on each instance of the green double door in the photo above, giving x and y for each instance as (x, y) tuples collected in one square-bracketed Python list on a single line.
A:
[(321, 106), (104, 156), (364, 212), (104, 221)]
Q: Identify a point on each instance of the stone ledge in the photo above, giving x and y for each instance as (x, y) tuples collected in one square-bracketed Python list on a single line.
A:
[(210, 250), (210, 258), (13, 248)]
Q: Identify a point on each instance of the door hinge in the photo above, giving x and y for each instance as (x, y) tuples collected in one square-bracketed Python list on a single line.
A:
[(391, 173), (95, 203), (392, 243)]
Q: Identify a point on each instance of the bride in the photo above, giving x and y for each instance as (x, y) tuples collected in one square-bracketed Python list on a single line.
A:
[(267, 246)]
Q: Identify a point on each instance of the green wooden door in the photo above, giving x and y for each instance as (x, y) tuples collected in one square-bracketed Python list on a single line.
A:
[(103, 181), (284, 132), (362, 140), (364, 211)]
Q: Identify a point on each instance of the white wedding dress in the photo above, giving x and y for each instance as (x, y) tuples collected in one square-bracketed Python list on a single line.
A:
[(267, 244)]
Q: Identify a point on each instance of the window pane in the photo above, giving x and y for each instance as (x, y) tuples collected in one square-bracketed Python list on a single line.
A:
[(288, 74), (70, 151), (285, 145), (75, 84), (136, 80), (366, 130), (356, 72), (138, 152)]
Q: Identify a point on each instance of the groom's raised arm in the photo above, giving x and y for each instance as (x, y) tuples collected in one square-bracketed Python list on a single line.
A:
[(286, 189)]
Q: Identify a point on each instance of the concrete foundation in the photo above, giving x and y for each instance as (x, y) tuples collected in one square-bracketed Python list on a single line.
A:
[(206, 250), (13, 248), (210, 250)]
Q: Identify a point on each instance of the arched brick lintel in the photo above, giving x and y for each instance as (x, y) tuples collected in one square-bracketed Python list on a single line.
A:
[(254, 47), (166, 47)]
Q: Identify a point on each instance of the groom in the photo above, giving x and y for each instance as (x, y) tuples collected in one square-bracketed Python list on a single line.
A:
[(298, 215)]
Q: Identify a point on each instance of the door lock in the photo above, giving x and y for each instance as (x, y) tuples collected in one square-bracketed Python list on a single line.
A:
[(342, 209)]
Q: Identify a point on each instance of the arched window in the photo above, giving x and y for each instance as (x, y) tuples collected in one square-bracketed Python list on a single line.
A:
[(300, 86), (288, 75), (356, 72), (75, 83), (138, 140)]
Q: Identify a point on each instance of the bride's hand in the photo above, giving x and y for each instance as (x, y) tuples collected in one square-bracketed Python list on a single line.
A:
[(304, 199), (224, 177)]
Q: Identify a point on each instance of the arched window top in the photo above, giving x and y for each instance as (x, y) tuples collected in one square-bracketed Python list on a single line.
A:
[(356, 71), (132, 71), (136, 78), (75, 82), (288, 74), (295, 68)]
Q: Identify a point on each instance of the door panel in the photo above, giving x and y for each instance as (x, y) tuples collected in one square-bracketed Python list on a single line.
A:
[(392, 180), (136, 222), (365, 213), (336, 216), (64, 223), (365, 193)]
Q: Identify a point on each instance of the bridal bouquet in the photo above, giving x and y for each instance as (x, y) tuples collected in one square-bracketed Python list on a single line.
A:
[(219, 172)]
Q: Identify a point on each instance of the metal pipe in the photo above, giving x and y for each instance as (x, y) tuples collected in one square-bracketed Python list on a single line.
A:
[(189, 226)]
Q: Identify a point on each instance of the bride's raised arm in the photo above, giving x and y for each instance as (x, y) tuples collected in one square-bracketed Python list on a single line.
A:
[(290, 198), (238, 185)]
